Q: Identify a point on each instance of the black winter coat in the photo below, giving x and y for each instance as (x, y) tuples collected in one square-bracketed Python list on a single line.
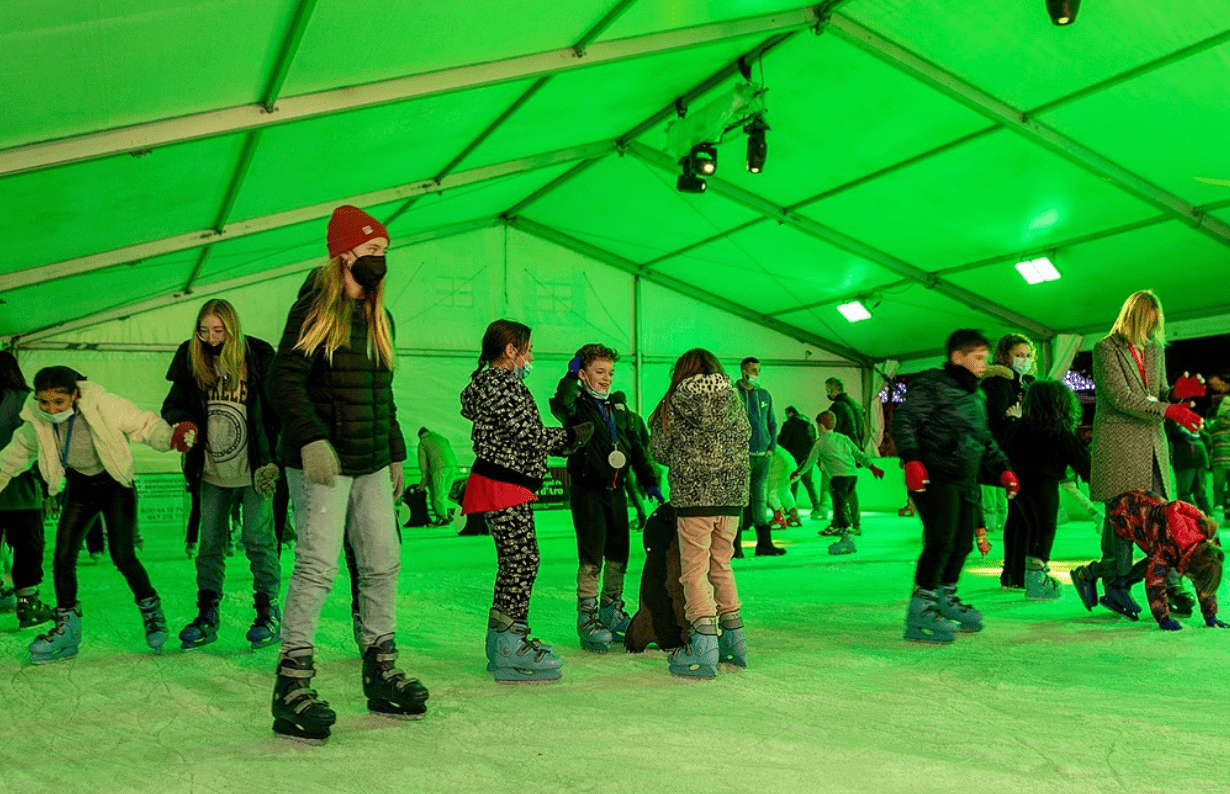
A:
[(588, 466), (348, 402), (510, 442), (850, 422), (943, 424), (1041, 456), (188, 402), (1003, 388), (797, 436)]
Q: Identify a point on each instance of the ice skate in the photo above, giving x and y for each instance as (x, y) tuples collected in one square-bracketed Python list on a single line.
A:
[(951, 607), (833, 531), (154, 622), (8, 598), (818, 514), (1086, 585), (613, 617), (732, 647), (699, 658), (31, 611), (923, 621), (1180, 602), (63, 639), (516, 658), (778, 521), (843, 546), (593, 636), (298, 713), (389, 692), (204, 628), (792, 518), (266, 630), (907, 512), (1118, 599), (1040, 585)]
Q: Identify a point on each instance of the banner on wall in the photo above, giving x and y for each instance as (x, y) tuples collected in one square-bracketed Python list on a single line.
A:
[(162, 501)]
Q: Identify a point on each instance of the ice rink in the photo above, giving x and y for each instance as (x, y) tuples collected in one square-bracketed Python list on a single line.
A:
[(1048, 698)]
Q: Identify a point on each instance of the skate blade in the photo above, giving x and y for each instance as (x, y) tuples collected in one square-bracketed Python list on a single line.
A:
[(291, 731), (315, 742), (506, 675), (934, 638), (398, 717), (595, 648), (1047, 597), (1118, 610), (695, 672), (256, 646), (186, 645), (51, 659)]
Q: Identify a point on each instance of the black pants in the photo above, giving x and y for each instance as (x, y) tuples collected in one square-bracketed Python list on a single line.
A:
[(194, 517), (86, 499), (23, 531), (1030, 530), (810, 485), (281, 509), (600, 516), (845, 501), (634, 498), (949, 514), (94, 543)]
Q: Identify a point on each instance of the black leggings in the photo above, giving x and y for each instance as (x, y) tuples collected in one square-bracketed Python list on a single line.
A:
[(949, 513), (23, 530), (86, 498)]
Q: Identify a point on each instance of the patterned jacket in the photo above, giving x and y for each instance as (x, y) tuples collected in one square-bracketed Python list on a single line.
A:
[(510, 442), (1140, 516), (1127, 424), (702, 440)]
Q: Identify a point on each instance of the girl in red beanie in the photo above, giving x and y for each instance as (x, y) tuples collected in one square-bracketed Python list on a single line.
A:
[(332, 382)]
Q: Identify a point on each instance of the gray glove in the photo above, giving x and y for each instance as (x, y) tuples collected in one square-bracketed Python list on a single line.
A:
[(398, 475), (265, 480), (320, 463)]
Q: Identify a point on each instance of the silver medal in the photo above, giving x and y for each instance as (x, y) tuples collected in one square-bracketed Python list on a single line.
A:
[(617, 459)]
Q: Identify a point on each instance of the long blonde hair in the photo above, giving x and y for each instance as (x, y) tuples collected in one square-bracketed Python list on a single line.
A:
[(1141, 319), (696, 361), (232, 359), (328, 321)]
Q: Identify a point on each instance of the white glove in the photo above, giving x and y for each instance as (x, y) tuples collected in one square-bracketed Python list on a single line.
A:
[(265, 480), (398, 475), (320, 463)]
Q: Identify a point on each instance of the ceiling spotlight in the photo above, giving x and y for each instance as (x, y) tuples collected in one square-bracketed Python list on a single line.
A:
[(1036, 271), (688, 181), (854, 311), (757, 147), (1063, 12), (703, 159)]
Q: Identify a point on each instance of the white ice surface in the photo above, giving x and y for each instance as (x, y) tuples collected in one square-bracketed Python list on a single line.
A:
[(1049, 698)]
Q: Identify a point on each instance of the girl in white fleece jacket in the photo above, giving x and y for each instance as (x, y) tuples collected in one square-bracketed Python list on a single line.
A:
[(78, 434)]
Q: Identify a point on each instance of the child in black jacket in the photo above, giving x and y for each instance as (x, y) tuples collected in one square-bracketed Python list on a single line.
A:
[(1041, 445), (942, 438), (597, 471)]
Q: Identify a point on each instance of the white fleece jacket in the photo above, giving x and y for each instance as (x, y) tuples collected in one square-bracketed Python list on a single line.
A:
[(113, 423)]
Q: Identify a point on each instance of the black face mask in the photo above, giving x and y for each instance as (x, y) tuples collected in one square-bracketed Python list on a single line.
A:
[(213, 350), (368, 271)]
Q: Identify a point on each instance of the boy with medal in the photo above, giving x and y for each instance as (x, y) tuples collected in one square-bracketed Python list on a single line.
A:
[(597, 470)]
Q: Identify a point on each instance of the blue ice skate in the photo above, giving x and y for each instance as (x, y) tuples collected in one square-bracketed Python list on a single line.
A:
[(154, 622), (965, 616), (1085, 583), (843, 546), (614, 618), (732, 647), (204, 627), (699, 658), (518, 659), (1041, 586), (266, 630), (923, 621), (63, 639), (594, 637), (1118, 599)]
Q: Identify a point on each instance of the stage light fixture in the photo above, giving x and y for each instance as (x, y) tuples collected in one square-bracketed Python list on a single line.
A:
[(757, 146), (688, 181), (1063, 12), (1036, 271), (703, 159), (854, 311)]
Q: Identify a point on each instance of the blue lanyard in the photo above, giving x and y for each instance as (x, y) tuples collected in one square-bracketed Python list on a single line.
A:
[(610, 420), (68, 439)]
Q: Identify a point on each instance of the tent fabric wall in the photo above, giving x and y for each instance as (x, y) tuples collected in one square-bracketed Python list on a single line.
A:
[(567, 299)]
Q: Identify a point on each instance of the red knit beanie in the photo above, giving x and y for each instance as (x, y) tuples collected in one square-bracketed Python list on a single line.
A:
[(350, 227)]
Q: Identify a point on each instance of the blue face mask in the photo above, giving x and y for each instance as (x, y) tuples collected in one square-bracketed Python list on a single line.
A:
[(601, 395), (57, 419), (523, 371), (1022, 364)]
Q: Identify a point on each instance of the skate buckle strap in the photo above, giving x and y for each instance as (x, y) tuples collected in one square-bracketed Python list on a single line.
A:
[(300, 700), (532, 645), (295, 672)]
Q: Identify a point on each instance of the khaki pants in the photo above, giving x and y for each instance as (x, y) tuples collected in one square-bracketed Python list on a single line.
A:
[(706, 544)]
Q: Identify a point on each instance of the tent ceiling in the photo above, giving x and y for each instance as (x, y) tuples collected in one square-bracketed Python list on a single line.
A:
[(914, 153)]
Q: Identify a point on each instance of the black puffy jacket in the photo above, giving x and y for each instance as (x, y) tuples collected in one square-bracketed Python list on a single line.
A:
[(188, 402), (348, 402), (943, 424), (588, 466), (798, 436)]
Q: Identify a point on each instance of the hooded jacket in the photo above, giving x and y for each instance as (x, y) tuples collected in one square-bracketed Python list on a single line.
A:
[(943, 424), (702, 439), (188, 402), (113, 423), (588, 466), (347, 401), (510, 442)]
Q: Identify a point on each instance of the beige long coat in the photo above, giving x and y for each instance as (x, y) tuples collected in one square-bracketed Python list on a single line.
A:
[(1127, 425)]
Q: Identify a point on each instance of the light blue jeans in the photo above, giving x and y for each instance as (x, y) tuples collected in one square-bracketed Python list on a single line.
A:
[(362, 506), (258, 539)]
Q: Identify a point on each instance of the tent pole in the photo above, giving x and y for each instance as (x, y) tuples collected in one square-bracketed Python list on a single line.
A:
[(638, 340)]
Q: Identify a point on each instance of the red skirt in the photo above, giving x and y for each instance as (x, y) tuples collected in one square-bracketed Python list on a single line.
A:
[(484, 495)]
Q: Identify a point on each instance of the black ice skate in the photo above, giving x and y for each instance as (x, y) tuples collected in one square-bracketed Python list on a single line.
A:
[(389, 692)]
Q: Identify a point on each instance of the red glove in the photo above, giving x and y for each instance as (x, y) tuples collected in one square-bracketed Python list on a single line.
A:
[(1188, 387), (1184, 417), (183, 436), (916, 476), (876, 471), (1009, 481), (984, 545)]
